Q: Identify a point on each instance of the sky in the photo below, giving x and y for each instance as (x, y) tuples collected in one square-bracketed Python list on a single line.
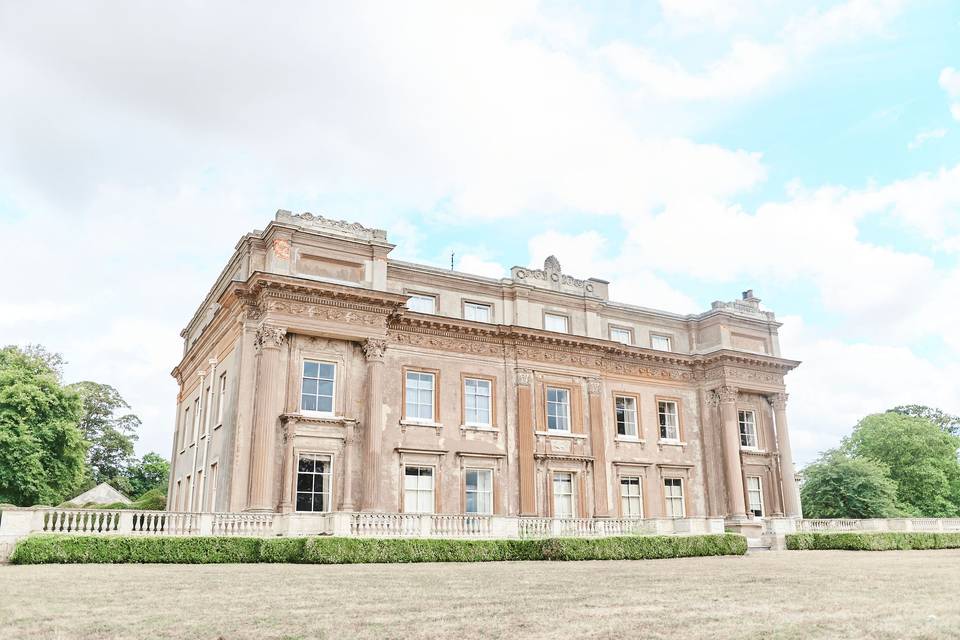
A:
[(685, 150)]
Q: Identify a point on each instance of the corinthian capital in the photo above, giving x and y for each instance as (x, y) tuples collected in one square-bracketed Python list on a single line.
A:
[(374, 348), (727, 394), (524, 377), (779, 401), (593, 386), (269, 337)]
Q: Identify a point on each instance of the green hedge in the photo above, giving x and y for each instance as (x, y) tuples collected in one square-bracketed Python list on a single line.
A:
[(883, 541), (50, 548)]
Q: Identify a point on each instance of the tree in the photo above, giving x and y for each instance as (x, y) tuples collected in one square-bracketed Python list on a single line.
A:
[(111, 437), (838, 486), (149, 473), (948, 422), (921, 458), (41, 447)]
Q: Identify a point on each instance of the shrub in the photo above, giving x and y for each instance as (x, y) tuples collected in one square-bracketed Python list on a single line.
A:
[(51, 548), (882, 541)]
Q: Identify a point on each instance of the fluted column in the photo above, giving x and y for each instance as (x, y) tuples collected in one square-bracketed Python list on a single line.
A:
[(733, 471), (373, 349), (525, 442), (348, 441), (791, 503), (289, 469), (267, 408), (598, 447)]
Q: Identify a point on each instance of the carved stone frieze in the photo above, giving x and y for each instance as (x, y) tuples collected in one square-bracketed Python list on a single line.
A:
[(325, 312), (646, 371), (746, 375), (446, 343), (557, 356)]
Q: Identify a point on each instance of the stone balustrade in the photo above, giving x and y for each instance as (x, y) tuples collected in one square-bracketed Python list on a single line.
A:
[(878, 524)]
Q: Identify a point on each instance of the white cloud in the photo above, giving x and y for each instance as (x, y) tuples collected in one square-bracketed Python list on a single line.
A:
[(840, 382), (750, 65), (950, 82), (924, 136)]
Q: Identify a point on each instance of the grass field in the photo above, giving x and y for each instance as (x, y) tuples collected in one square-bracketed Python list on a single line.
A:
[(813, 594)]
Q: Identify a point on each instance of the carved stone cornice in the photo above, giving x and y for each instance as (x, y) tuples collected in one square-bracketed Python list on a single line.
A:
[(298, 296), (269, 337), (374, 348)]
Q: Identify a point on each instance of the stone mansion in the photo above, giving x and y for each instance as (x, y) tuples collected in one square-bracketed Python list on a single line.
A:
[(320, 375)]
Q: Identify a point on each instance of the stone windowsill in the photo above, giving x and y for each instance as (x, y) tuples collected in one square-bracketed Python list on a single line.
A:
[(671, 443), (479, 427), (562, 434), (629, 439), (405, 424)]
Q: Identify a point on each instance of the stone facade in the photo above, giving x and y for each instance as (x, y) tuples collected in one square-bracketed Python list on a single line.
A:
[(592, 421)]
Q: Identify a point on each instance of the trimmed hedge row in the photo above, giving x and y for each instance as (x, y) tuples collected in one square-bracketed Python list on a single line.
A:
[(58, 549), (881, 541)]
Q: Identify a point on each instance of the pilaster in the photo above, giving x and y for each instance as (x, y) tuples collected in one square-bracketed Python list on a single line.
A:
[(373, 350), (267, 409), (598, 446), (525, 442), (791, 501), (736, 502)]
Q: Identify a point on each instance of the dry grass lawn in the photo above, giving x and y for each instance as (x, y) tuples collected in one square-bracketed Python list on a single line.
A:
[(826, 594)]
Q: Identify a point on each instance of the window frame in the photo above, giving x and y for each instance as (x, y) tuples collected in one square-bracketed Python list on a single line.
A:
[(197, 414), (554, 314), (221, 399), (466, 490), (430, 296), (546, 408), (492, 409), (664, 336), (669, 499), (679, 405), (436, 395), (756, 430), (184, 428), (617, 395), (213, 478), (418, 490), (759, 492), (611, 328), (489, 307), (333, 391), (572, 494), (628, 497), (319, 456)]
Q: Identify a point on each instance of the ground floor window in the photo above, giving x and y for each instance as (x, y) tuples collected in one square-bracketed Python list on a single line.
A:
[(755, 496), (418, 490), (673, 495), (631, 497), (563, 495), (479, 489), (313, 483)]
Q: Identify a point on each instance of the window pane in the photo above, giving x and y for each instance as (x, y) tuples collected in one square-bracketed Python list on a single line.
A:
[(310, 387), (310, 369), (304, 502), (326, 370), (325, 388), (308, 403)]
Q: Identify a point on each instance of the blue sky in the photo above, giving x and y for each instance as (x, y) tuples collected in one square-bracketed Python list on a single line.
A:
[(683, 149)]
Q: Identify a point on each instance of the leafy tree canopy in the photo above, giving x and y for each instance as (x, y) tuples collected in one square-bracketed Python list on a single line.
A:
[(148, 474), (948, 422), (42, 449), (920, 456), (111, 436), (838, 486)]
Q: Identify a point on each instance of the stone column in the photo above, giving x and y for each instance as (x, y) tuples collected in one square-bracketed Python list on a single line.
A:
[(373, 349), (733, 472), (348, 428), (289, 468), (598, 446), (267, 408), (525, 443), (791, 503)]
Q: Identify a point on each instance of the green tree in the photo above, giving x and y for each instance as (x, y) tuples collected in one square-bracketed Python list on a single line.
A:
[(149, 473), (838, 486), (921, 458), (111, 436), (946, 421), (41, 448)]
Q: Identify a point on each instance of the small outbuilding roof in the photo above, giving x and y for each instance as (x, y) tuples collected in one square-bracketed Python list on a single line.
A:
[(103, 493)]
